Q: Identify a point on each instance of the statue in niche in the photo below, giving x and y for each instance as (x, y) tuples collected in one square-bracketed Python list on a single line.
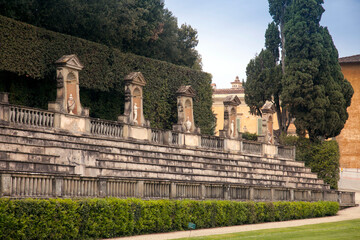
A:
[(71, 104), (269, 137), (232, 128), (135, 113), (188, 125)]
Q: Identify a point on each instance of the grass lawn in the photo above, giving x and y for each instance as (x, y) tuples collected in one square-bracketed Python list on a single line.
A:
[(336, 230)]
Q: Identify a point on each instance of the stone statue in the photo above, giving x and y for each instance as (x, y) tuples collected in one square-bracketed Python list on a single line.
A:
[(232, 128), (269, 138), (135, 113), (71, 104), (188, 125)]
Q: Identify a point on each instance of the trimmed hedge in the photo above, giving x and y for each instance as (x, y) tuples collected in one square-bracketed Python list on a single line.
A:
[(111, 217), (26, 64)]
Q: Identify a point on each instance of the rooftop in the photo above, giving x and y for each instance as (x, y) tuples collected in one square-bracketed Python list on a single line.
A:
[(350, 59), (228, 91)]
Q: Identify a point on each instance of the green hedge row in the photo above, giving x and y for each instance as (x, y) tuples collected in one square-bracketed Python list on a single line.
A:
[(26, 65), (111, 217)]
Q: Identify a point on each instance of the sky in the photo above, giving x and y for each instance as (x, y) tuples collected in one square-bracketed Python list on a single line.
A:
[(231, 32)]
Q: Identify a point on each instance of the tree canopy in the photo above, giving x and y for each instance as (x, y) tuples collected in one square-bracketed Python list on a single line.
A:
[(143, 27), (310, 87)]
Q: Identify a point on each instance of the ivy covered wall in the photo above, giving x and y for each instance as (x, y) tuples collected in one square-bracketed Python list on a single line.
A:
[(27, 71)]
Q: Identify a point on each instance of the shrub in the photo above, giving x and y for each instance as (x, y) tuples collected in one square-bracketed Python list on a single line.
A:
[(321, 156), (26, 62), (249, 136), (111, 217)]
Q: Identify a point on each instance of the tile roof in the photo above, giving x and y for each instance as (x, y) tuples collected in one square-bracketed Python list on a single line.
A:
[(228, 91), (350, 59)]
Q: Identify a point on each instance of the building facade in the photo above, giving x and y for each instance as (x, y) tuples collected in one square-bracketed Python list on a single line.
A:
[(245, 122), (349, 138)]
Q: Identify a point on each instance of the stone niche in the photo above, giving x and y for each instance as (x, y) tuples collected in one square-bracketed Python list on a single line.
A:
[(268, 111), (185, 95), (133, 110), (230, 112), (68, 92)]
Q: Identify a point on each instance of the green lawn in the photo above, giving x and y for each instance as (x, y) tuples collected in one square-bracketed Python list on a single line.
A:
[(337, 230)]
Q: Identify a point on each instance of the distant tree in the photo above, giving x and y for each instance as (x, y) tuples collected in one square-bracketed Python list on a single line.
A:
[(143, 27), (314, 88), (264, 79), (310, 86)]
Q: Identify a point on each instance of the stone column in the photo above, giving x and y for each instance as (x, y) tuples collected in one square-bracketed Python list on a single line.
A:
[(230, 112), (58, 185), (5, 185), (185, 107), (68, 91), (140, 189), (4, 107), (133, 110), (268, 111)]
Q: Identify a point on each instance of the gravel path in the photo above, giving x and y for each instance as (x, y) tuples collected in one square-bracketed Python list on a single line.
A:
[(345, 214)]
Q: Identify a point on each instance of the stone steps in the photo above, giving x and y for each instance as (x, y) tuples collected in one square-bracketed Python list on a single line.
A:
[(37, 167), (188, 177), (175, 169), (254, 163), (113, 145), (259, 162), (27, 156), (207, 172), (107, 157)]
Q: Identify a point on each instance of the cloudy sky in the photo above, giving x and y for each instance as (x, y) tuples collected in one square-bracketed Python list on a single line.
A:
[(231, 32)]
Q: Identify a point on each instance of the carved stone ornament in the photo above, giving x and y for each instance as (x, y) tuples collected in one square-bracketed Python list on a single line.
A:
[(127, 94), (60, 81), (71, 104), (232, 128), (180, 107), (188, 125), (226, 115), (135, 113)]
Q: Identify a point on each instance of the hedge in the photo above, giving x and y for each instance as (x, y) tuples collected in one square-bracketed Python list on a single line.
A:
[(321, 156), (111, 217), (27, 71)]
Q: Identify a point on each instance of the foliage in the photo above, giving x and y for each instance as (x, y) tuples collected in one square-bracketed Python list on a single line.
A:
[(249, 136), (313, 87), (310, 86), (26, 65), (143, 27), (106, 218), (321, 156)]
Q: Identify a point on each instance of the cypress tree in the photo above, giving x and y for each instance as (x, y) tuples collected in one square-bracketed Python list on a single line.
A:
[(314, 88)]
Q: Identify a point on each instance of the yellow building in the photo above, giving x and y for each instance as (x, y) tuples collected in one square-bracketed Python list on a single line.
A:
[(245, 121), (349, 138)]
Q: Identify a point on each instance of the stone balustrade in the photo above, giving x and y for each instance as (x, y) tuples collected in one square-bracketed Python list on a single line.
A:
[(157, 136), (212, 142), (48, 186), (106, 128), (286, 152), (251, 147), (31, 116), (40, 118)]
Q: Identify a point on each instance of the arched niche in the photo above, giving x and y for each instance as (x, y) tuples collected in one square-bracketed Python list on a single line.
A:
[(188, 110), (72, 90)]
